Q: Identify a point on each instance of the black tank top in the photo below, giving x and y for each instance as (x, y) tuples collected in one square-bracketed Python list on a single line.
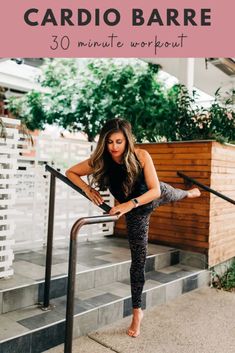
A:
[(117, 175)]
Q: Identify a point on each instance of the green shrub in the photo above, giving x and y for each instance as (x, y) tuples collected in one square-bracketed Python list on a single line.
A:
[(225, 281), (82, 98)]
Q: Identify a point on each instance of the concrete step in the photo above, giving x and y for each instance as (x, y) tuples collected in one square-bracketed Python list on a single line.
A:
[(29, 330), (99, 263)]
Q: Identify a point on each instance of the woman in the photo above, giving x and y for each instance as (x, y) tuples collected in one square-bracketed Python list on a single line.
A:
[(130, 175)]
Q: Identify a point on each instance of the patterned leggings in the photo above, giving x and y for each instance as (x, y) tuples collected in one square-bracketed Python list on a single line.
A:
[(137, 229)]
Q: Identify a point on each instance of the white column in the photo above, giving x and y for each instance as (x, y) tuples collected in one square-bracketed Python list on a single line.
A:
[(190, 74)]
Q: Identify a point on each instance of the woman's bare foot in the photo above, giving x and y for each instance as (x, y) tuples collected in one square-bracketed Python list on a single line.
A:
[(134, 329), (195, 192)]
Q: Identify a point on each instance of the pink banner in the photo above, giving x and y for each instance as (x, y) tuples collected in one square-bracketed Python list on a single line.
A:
[(104, 28)]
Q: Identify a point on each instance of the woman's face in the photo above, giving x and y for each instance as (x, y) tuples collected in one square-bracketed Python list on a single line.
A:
[(116, 144)]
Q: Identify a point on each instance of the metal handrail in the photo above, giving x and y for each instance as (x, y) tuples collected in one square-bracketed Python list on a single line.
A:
[(72, 272), (56, 174), (207, 188), (72, 251)]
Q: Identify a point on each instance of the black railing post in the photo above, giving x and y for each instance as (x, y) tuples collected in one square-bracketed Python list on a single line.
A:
[(72, 273), (46, 302)]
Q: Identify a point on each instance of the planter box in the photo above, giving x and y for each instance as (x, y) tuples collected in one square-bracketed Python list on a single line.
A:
[(205, 225)]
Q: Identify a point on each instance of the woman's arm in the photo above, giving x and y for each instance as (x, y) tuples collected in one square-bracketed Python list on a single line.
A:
[(75, 173)]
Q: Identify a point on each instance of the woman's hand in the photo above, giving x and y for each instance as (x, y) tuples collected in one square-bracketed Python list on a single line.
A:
[(122, 208), (93, 195)]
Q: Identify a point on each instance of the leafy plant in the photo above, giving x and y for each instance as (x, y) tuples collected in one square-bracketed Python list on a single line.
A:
[(82, 97), (225, 281), (30, 109), (188, 121)]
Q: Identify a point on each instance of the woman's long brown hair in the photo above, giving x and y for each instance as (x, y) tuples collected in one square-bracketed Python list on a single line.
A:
[(100, 159)]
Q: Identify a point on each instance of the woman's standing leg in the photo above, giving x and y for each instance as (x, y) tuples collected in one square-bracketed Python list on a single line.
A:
[(137, 228)]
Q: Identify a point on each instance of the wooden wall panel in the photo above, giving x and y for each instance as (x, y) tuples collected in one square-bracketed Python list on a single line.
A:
[(222, 213)]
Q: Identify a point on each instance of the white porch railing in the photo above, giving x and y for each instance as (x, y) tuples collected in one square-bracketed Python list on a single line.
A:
[(24, 193), (32, 191), (8, 166)]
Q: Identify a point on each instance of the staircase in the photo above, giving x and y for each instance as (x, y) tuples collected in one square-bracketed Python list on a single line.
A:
[(102, 290)]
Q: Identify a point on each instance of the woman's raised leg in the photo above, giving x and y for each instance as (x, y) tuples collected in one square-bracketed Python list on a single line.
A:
[(171, 194)]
